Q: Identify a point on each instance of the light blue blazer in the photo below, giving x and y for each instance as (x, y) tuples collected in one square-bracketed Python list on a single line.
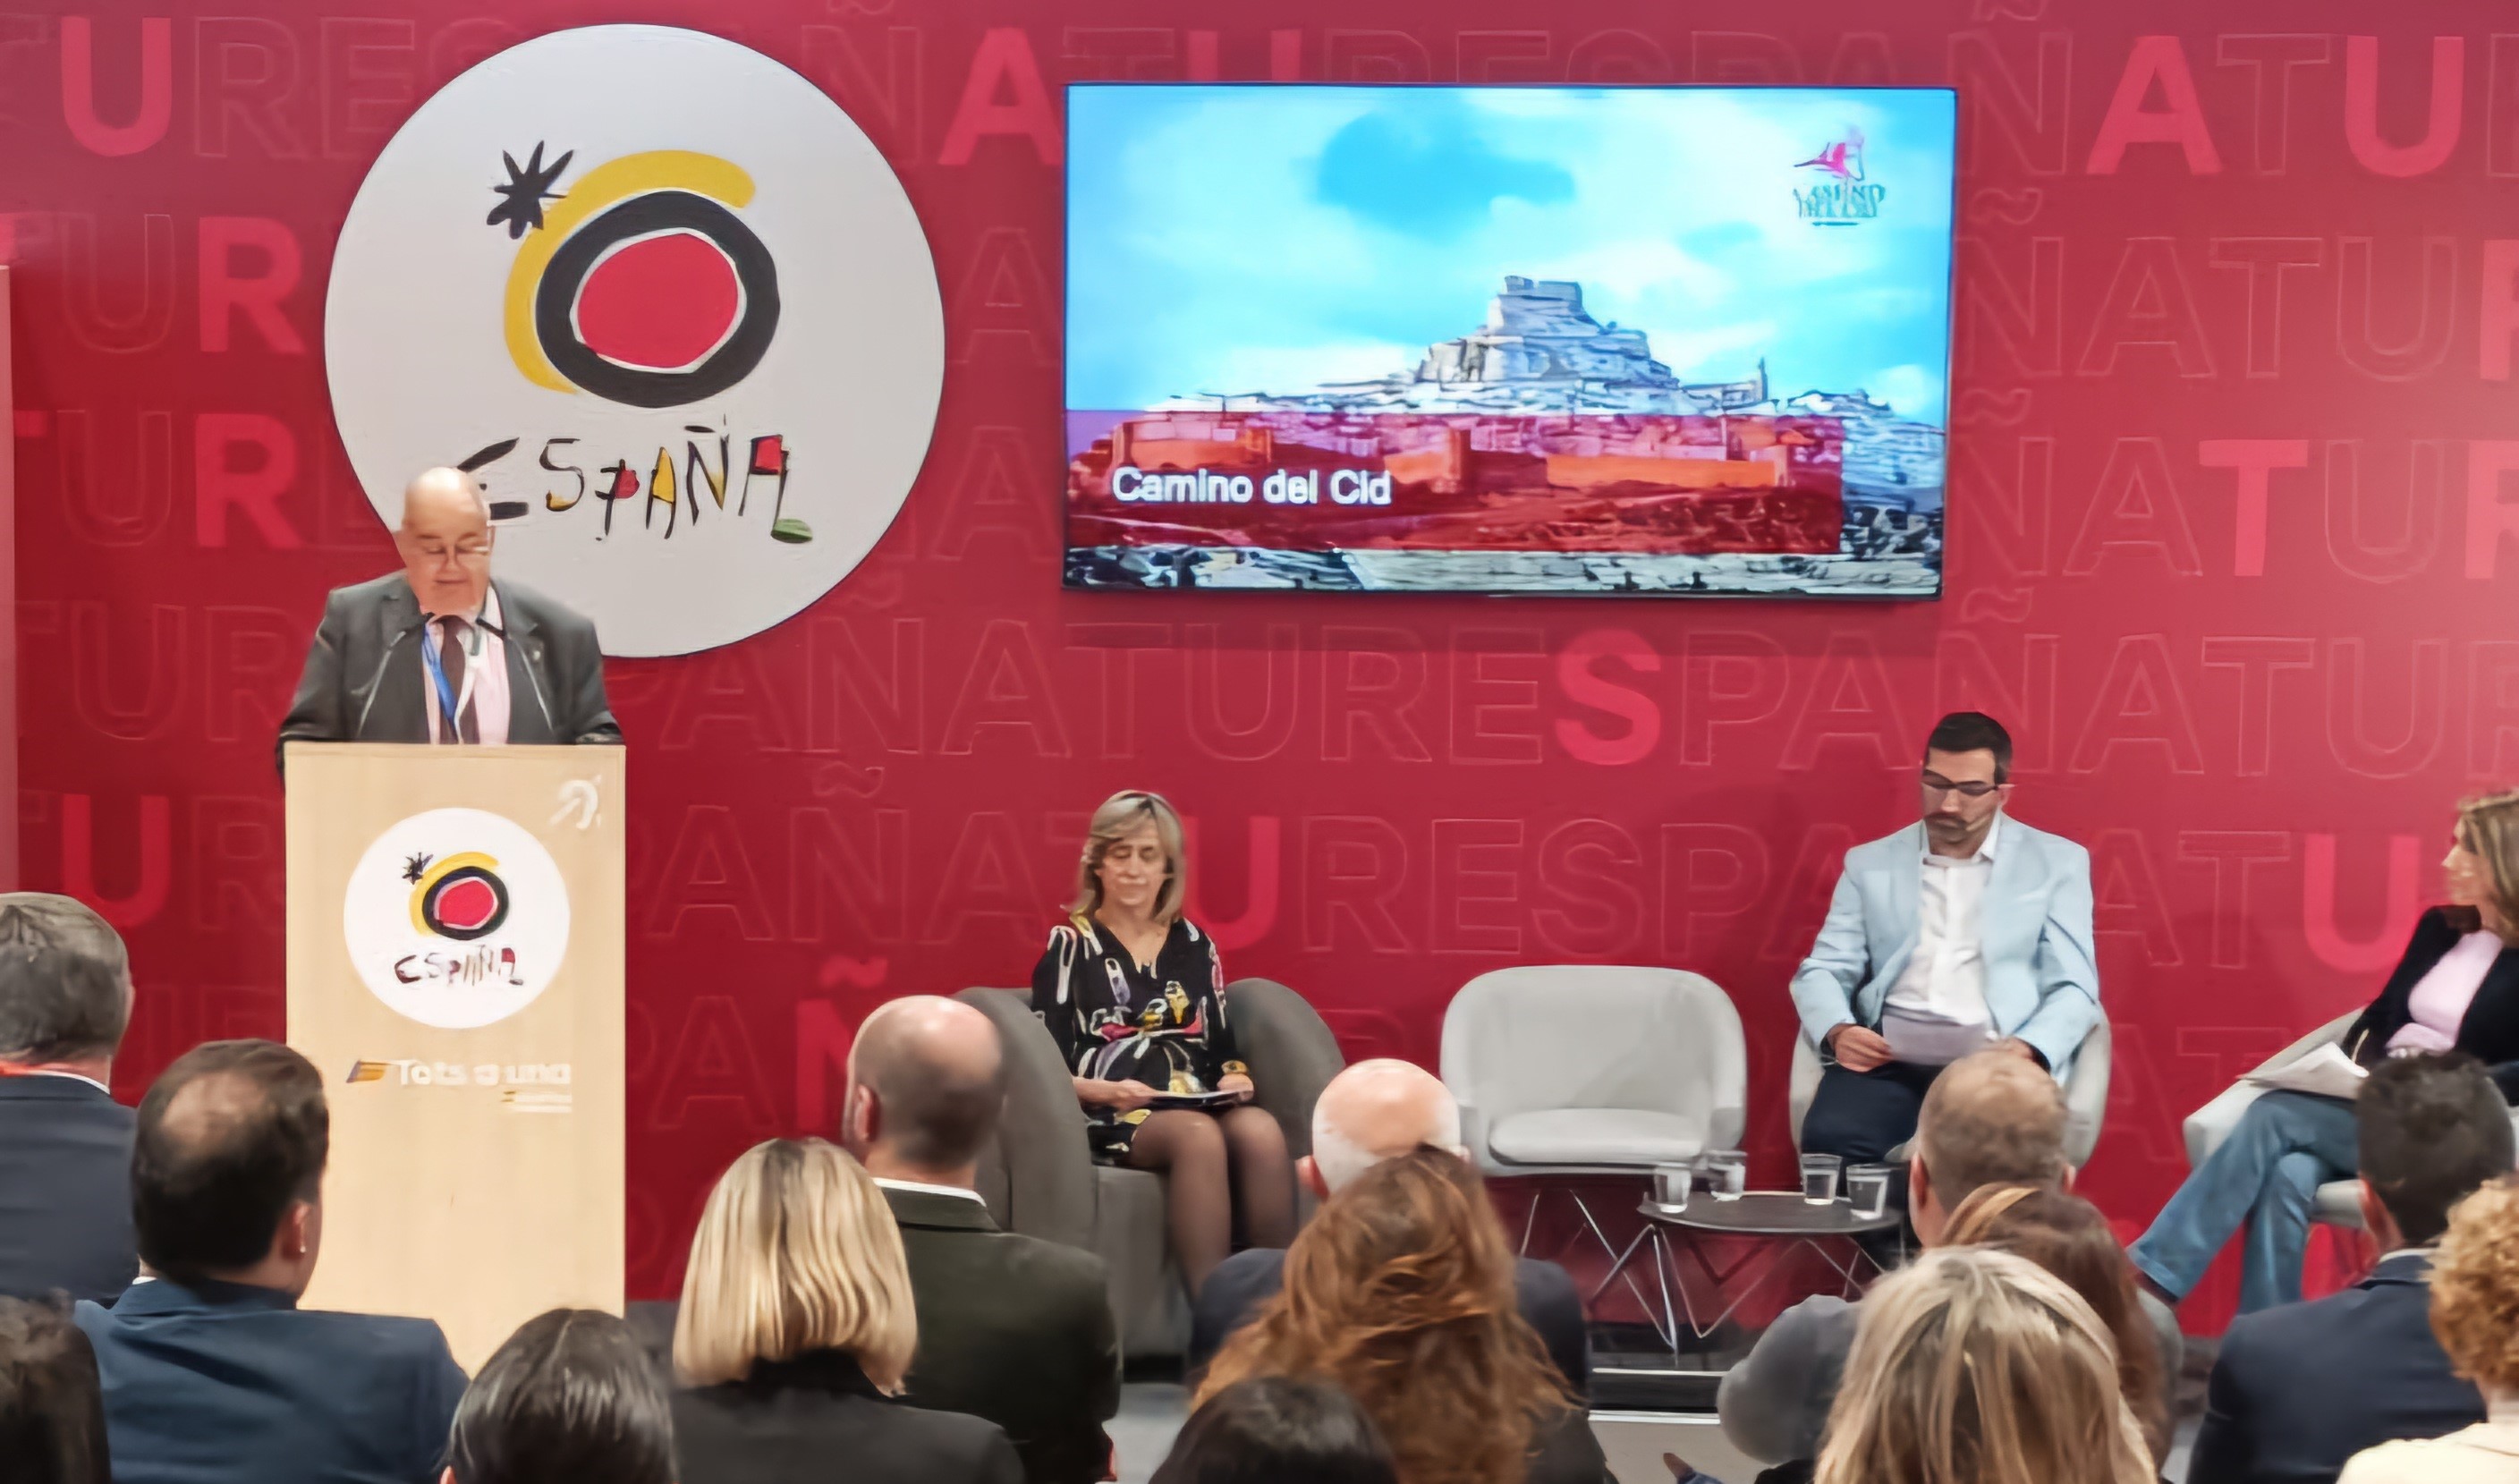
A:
[(2042, 976)]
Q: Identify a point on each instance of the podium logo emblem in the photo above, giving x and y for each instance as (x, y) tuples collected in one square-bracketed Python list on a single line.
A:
[(667, 303), (456, 918)]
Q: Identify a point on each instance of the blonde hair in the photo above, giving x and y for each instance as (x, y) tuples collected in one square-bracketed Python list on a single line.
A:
[(2475, 1288), (796, 1251), (2488, 827), (1119, 818), (1977, 1367)]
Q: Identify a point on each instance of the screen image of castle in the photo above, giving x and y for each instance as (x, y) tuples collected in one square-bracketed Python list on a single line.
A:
[(1543, 451)]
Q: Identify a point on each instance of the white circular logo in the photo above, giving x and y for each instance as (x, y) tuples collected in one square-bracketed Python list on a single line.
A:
[(667, 303), (456, 918)]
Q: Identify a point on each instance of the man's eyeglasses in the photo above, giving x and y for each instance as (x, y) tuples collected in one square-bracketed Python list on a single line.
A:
[(1937, 785)]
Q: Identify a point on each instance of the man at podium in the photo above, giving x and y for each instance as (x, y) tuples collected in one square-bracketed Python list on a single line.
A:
[(439, 653)]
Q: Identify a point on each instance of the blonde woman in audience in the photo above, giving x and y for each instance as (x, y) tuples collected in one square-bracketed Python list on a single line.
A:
[(795, 1329), (1401, 1291), (2475, 1312), (1977, 1367)]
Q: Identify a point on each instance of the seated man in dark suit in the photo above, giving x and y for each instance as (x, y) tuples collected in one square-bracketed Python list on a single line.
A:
[(212, 1374), (2300, 1389), (1011, 1328), (1372, 1112), (64, 1142)]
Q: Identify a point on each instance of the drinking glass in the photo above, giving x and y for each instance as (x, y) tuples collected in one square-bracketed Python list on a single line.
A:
[(1727, 1173), (1670, 1185), (1819, 1178), (1867, 1186)]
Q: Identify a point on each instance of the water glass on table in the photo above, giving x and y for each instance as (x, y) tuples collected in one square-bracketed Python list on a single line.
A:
[(1819, 1178), (1727, 1173), (1671, 1184), (1867, 1186)]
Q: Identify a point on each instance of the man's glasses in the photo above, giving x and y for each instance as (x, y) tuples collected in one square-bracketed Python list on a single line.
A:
[(1937, 785)]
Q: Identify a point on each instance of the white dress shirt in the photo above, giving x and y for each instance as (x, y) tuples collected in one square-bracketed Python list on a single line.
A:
[(489, 675), (1945, 977), (925, 1188)]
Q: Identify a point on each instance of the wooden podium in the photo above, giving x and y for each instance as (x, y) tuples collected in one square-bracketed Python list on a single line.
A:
[(454, 970)]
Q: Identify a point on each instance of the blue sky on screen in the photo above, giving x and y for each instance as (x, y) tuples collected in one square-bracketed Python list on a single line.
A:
[(1269, 239)]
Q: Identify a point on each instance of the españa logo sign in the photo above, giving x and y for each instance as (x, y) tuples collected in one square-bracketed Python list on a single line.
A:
[(670, 308), (456, 918)]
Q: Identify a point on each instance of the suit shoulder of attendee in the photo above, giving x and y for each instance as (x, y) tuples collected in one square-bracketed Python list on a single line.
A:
[(1887, 848), (384, 1337), (1540, 1276), (2280, 1336), (546, 610), (1054, 1266), (1249, 1269), (2047, 841), (374, 590)]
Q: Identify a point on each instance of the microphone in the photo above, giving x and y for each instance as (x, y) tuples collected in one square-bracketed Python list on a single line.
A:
[(376, 681), (531, 679)]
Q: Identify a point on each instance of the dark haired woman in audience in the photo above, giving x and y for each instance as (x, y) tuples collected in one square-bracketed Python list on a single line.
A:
[(52, 1411), (796, 1327), (569, 1399), (1401, 1291), (1134, 996), (1273, 1429), (2455, 988), (2066, 1236)]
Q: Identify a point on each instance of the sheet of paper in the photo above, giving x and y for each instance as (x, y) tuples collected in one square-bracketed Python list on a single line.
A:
[(2326, 1072), (1922, 1041)]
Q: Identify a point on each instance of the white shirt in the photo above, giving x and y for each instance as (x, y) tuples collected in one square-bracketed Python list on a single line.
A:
[(490, 700), (1945, 977), (75, 1077), (931, 1190)]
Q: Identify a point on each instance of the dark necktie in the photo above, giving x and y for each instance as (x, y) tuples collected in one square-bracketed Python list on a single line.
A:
[(450, 658)]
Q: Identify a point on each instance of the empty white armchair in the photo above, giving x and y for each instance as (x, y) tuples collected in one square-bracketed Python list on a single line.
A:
[(1594, 1069), (2085, 1095), (2338, 1202)]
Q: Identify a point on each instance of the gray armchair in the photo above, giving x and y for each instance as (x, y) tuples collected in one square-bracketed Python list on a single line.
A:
[(2086, 1094), (1039, 1177), (1594, 1069)]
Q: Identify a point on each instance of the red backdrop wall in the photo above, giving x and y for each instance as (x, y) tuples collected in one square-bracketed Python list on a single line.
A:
[(2232, 416)]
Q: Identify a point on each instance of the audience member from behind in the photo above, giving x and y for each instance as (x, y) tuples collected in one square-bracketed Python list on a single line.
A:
[(1991, 1118), (1401, 1291), (64, 1142), (796, 1327), (212, 1374), (52, 1418), (1010, 1327), (2475, 1313), (1370, 1113), (2068, 1236), (569, 1399), (2298, 1390), (1977, 1367), (1273, 1428)]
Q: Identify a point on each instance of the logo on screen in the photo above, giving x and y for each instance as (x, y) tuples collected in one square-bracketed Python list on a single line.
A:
[(1840, 196), (456, 918), (670, 307)]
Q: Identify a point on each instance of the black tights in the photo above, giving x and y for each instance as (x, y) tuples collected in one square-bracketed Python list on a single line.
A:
[(1208, 1160)]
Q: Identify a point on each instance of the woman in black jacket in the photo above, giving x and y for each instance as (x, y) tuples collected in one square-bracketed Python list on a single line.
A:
[(796, 1327), (2456, 990)]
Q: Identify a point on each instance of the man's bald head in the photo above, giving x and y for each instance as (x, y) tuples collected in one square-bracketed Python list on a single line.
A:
[(939, 1078), (1376, 1110), (230, 1137), (443, 539), (1991, 1118)]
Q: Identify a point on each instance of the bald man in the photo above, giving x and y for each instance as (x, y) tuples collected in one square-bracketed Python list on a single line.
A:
[(1011, 1328), (1372, 1112), (438, 652), (1990, 1118)]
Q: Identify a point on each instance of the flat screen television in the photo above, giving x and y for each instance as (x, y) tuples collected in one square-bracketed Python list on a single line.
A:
[(1508, 339)]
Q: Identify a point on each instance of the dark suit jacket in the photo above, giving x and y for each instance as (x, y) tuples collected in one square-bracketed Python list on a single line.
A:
[(2300, 1389), (2489, 1032), (363, 682), (1012, 1329), (217, 1383), (816, 1418), (1248, 1278), (64, 1190)]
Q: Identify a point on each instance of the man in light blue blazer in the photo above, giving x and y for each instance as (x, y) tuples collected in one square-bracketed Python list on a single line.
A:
[(1965, 931)]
